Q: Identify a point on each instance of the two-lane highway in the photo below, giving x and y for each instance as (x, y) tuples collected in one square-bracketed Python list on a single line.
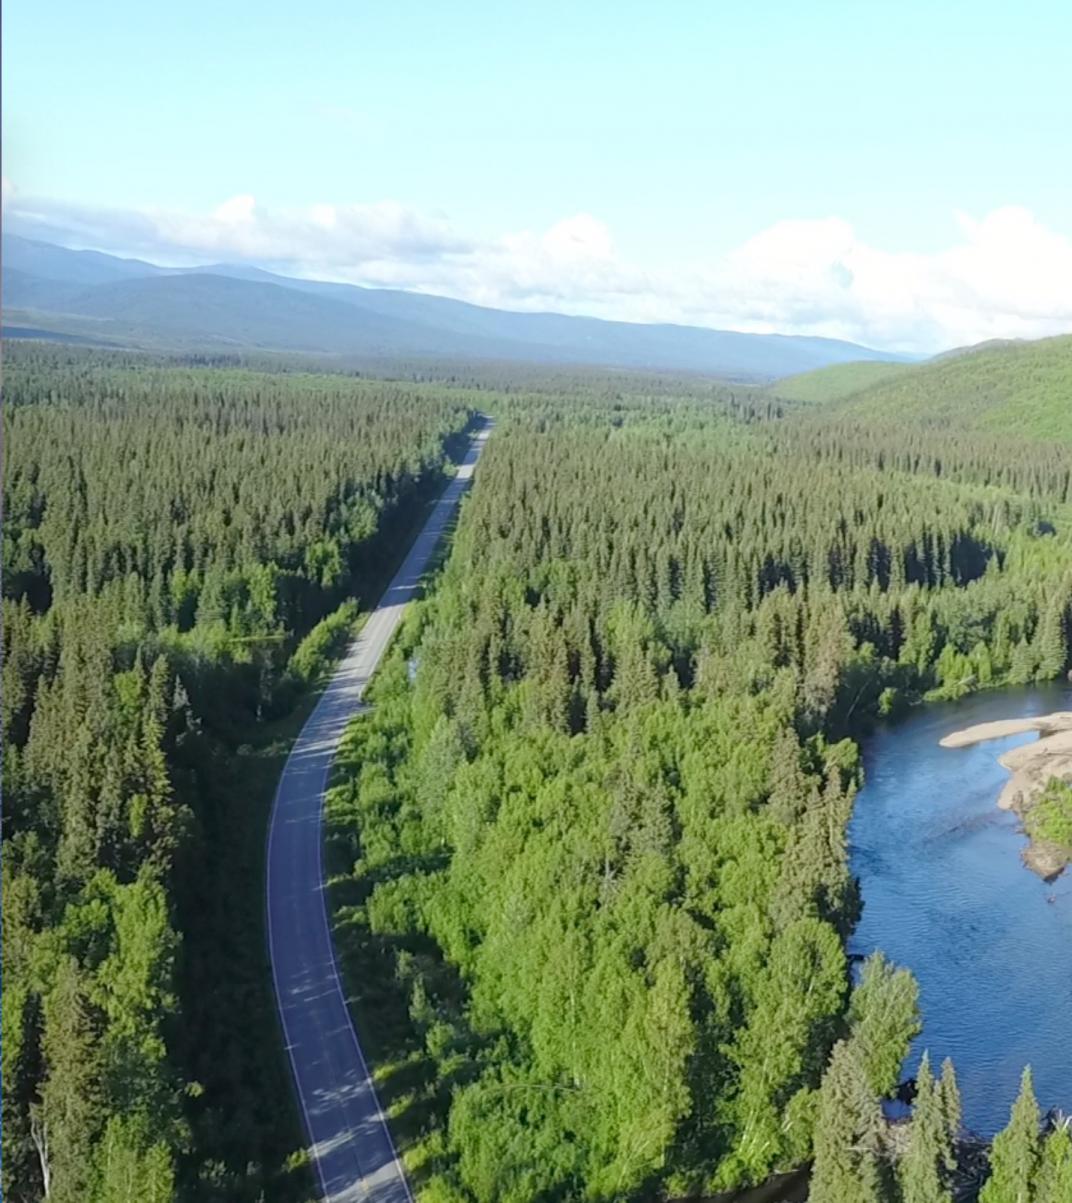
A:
[(349, 1140)]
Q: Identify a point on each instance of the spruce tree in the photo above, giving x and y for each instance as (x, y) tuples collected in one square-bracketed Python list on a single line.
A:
[(923, 1168), (847, 1166), (949, 1097), (68, 1121), (1051, 649), (1014, 1154), (1054, 1182)]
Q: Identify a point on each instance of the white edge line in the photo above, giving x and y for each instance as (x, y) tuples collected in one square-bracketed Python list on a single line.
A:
[(477, 442)]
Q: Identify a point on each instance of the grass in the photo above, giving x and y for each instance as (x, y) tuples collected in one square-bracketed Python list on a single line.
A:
[(414, 1096), (1050, 818)]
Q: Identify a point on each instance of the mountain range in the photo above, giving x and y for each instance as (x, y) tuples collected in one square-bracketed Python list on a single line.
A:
[(80, 295)]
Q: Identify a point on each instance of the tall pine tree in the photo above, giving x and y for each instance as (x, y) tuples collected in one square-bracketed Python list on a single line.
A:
[(923, 1169), (1014, 1156), (847, 1165)]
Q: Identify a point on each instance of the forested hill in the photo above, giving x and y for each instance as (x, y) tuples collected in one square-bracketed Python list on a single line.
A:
[(838, 380), (127, 302), (1021, 389)]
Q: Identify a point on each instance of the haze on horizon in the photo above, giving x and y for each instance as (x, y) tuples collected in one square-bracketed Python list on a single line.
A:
[(893, 176)]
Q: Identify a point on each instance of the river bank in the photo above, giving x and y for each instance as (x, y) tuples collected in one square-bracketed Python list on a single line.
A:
[(945, 893), (1033, 767)]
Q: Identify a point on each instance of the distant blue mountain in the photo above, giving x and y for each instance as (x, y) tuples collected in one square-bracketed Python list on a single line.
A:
[(129, 302)]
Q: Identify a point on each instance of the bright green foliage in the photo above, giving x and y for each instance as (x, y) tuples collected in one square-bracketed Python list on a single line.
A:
[(884, 1017), (324, 642), (132, 1167), (1014, 1156), (924, 1169), (782, 1050), (1054, 1181), (604, 768), (1050, 817), (949, 1101)]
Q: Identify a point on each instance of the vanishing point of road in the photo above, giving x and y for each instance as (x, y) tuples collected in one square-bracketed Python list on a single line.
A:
[(349, 1140)]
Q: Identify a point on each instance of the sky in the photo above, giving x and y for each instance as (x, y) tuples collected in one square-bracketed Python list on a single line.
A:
[(896, 174)]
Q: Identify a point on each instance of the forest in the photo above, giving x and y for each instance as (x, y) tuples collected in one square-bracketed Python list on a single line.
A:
[(185, 548), (592, 880), (589, 867)]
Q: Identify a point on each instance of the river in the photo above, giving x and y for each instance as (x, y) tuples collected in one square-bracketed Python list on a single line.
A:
[(946, 894)]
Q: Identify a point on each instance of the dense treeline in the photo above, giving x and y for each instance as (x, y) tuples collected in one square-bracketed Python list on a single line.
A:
[(506, 378), (180, 545), (593, 885), (1039, 469)]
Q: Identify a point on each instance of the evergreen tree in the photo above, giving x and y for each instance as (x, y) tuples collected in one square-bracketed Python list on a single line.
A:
[(1051, 640), (949, 1098), (1054, 1181), (68, 1120), (847, 1163), (1014, 1155), (922, 1170), (553, 786)]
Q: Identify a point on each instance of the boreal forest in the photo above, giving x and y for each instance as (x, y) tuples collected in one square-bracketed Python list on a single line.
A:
[(587, 851)]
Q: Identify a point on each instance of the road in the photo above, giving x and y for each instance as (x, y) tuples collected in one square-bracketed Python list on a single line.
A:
[(349, 1141)]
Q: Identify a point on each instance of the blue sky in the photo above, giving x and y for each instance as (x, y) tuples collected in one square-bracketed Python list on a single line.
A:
[(659, 141)]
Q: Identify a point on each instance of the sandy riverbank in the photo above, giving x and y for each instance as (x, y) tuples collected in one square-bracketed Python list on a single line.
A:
[(1048, 724), (1031, 767)]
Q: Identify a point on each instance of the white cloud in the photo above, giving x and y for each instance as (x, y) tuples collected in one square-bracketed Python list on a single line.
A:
[(239, 209), (1005, 275)]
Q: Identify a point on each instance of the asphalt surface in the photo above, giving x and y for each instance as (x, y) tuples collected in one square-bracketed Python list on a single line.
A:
[(349, 1140)]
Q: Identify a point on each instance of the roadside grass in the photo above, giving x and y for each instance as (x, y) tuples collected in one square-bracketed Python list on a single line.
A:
[(414, 1096)]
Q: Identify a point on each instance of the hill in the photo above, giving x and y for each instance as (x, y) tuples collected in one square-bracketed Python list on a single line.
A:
[(209, 310), (836, 381), (51, 262), (990, 344), (1021, 388), (133, 303)]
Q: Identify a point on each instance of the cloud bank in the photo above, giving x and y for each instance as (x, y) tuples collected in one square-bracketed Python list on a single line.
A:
[(1005, 275)]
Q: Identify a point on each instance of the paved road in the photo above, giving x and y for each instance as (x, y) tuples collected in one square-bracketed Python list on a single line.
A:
[(350, 1144)]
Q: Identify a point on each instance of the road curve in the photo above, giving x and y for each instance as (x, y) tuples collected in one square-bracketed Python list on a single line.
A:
[(349, 1141)]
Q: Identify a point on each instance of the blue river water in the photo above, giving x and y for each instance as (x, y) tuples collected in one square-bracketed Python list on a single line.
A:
[(946, 894)]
